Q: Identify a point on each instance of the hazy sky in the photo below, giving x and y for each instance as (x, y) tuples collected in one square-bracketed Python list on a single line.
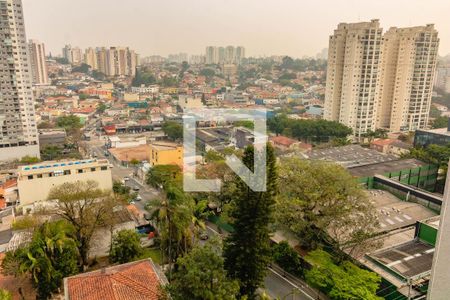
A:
[(263, 27)]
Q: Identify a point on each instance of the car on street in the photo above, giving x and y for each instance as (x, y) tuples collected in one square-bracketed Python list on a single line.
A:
[(126, 178), (138, 198), (136, 188)]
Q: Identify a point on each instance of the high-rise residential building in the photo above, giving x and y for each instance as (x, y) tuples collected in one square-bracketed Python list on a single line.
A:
[(230, 55), (37, 62), (351, 88), (442, 80), (72, 54), (90, 58), (67, 53), (240, 54), (211, 55), (18, 135), (221, 55), (101, 59), (408, 66), (380, 81)]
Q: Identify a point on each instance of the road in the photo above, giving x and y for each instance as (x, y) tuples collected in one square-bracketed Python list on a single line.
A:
[(119, 172), (276, 285)]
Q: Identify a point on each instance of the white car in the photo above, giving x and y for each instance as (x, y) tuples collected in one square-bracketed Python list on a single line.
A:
[(138, 198), (126, 178)]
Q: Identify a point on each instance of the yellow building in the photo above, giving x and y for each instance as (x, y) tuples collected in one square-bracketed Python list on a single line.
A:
[(163, 153)]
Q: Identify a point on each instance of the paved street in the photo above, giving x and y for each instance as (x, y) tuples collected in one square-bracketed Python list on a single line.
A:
[(119, 172), (277, 286)]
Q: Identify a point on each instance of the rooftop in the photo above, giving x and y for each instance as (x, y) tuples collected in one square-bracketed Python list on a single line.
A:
[(409, 260), (351, 156), (395, 214), (442, 131), (382, 168), (138, 280), (61, 164)]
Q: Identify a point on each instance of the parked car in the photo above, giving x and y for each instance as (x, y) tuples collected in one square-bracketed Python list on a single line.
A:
[(138, 198)]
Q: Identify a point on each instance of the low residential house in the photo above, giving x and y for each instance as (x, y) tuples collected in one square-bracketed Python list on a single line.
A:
[(139, 280), (390, 146), (8, 193), (285, 143)]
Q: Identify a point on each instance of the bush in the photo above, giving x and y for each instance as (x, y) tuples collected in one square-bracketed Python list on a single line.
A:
[(126, 247), (288, 258)]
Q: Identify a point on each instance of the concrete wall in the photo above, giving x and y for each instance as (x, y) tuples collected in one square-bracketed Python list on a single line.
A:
[(13, 153)]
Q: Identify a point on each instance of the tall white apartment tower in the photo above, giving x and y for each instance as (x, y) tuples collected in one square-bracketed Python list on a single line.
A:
[(353, 60), (37, 61), (90, 58), (18, 134), (407, 71)]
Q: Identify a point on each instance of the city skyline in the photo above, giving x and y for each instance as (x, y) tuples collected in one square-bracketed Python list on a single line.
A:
[(275, 30)]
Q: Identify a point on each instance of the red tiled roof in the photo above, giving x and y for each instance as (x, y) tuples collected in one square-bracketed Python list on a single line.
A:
[(132, 281), (382, 142), (283, 140), (10, 183)]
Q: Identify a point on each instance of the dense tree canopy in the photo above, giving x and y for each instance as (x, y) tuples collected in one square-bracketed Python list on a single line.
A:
[(440, 122), (173, 130), (51, 256), (308, 130), (201, 275), (341, 281), (321, 201), (70, 122), (143, 77)]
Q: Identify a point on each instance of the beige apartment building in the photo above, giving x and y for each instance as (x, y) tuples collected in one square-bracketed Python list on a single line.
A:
[(376, 81), (407, 75), (38, 63), (35, 181), (352, 81), (90, 58), (18, 135)]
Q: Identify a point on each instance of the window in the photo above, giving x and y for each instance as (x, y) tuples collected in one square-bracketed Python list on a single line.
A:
[(30, 177), (93, 169), (80, 171), (104, 168), (66, 172), (39, 175)]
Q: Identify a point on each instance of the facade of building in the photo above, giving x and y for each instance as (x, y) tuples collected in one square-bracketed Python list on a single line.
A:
[(90, 58), (376, 81), (166, 154), (38, 63), (35, 181), (407, 71), (353, 61), (18, 136), (224, 55)]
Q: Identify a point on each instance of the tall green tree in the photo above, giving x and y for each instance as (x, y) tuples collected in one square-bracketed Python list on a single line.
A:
[(247, 251), (51, 256), (126, 247), (201, 275), (322, 202), (87, 207), (173, 216)]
